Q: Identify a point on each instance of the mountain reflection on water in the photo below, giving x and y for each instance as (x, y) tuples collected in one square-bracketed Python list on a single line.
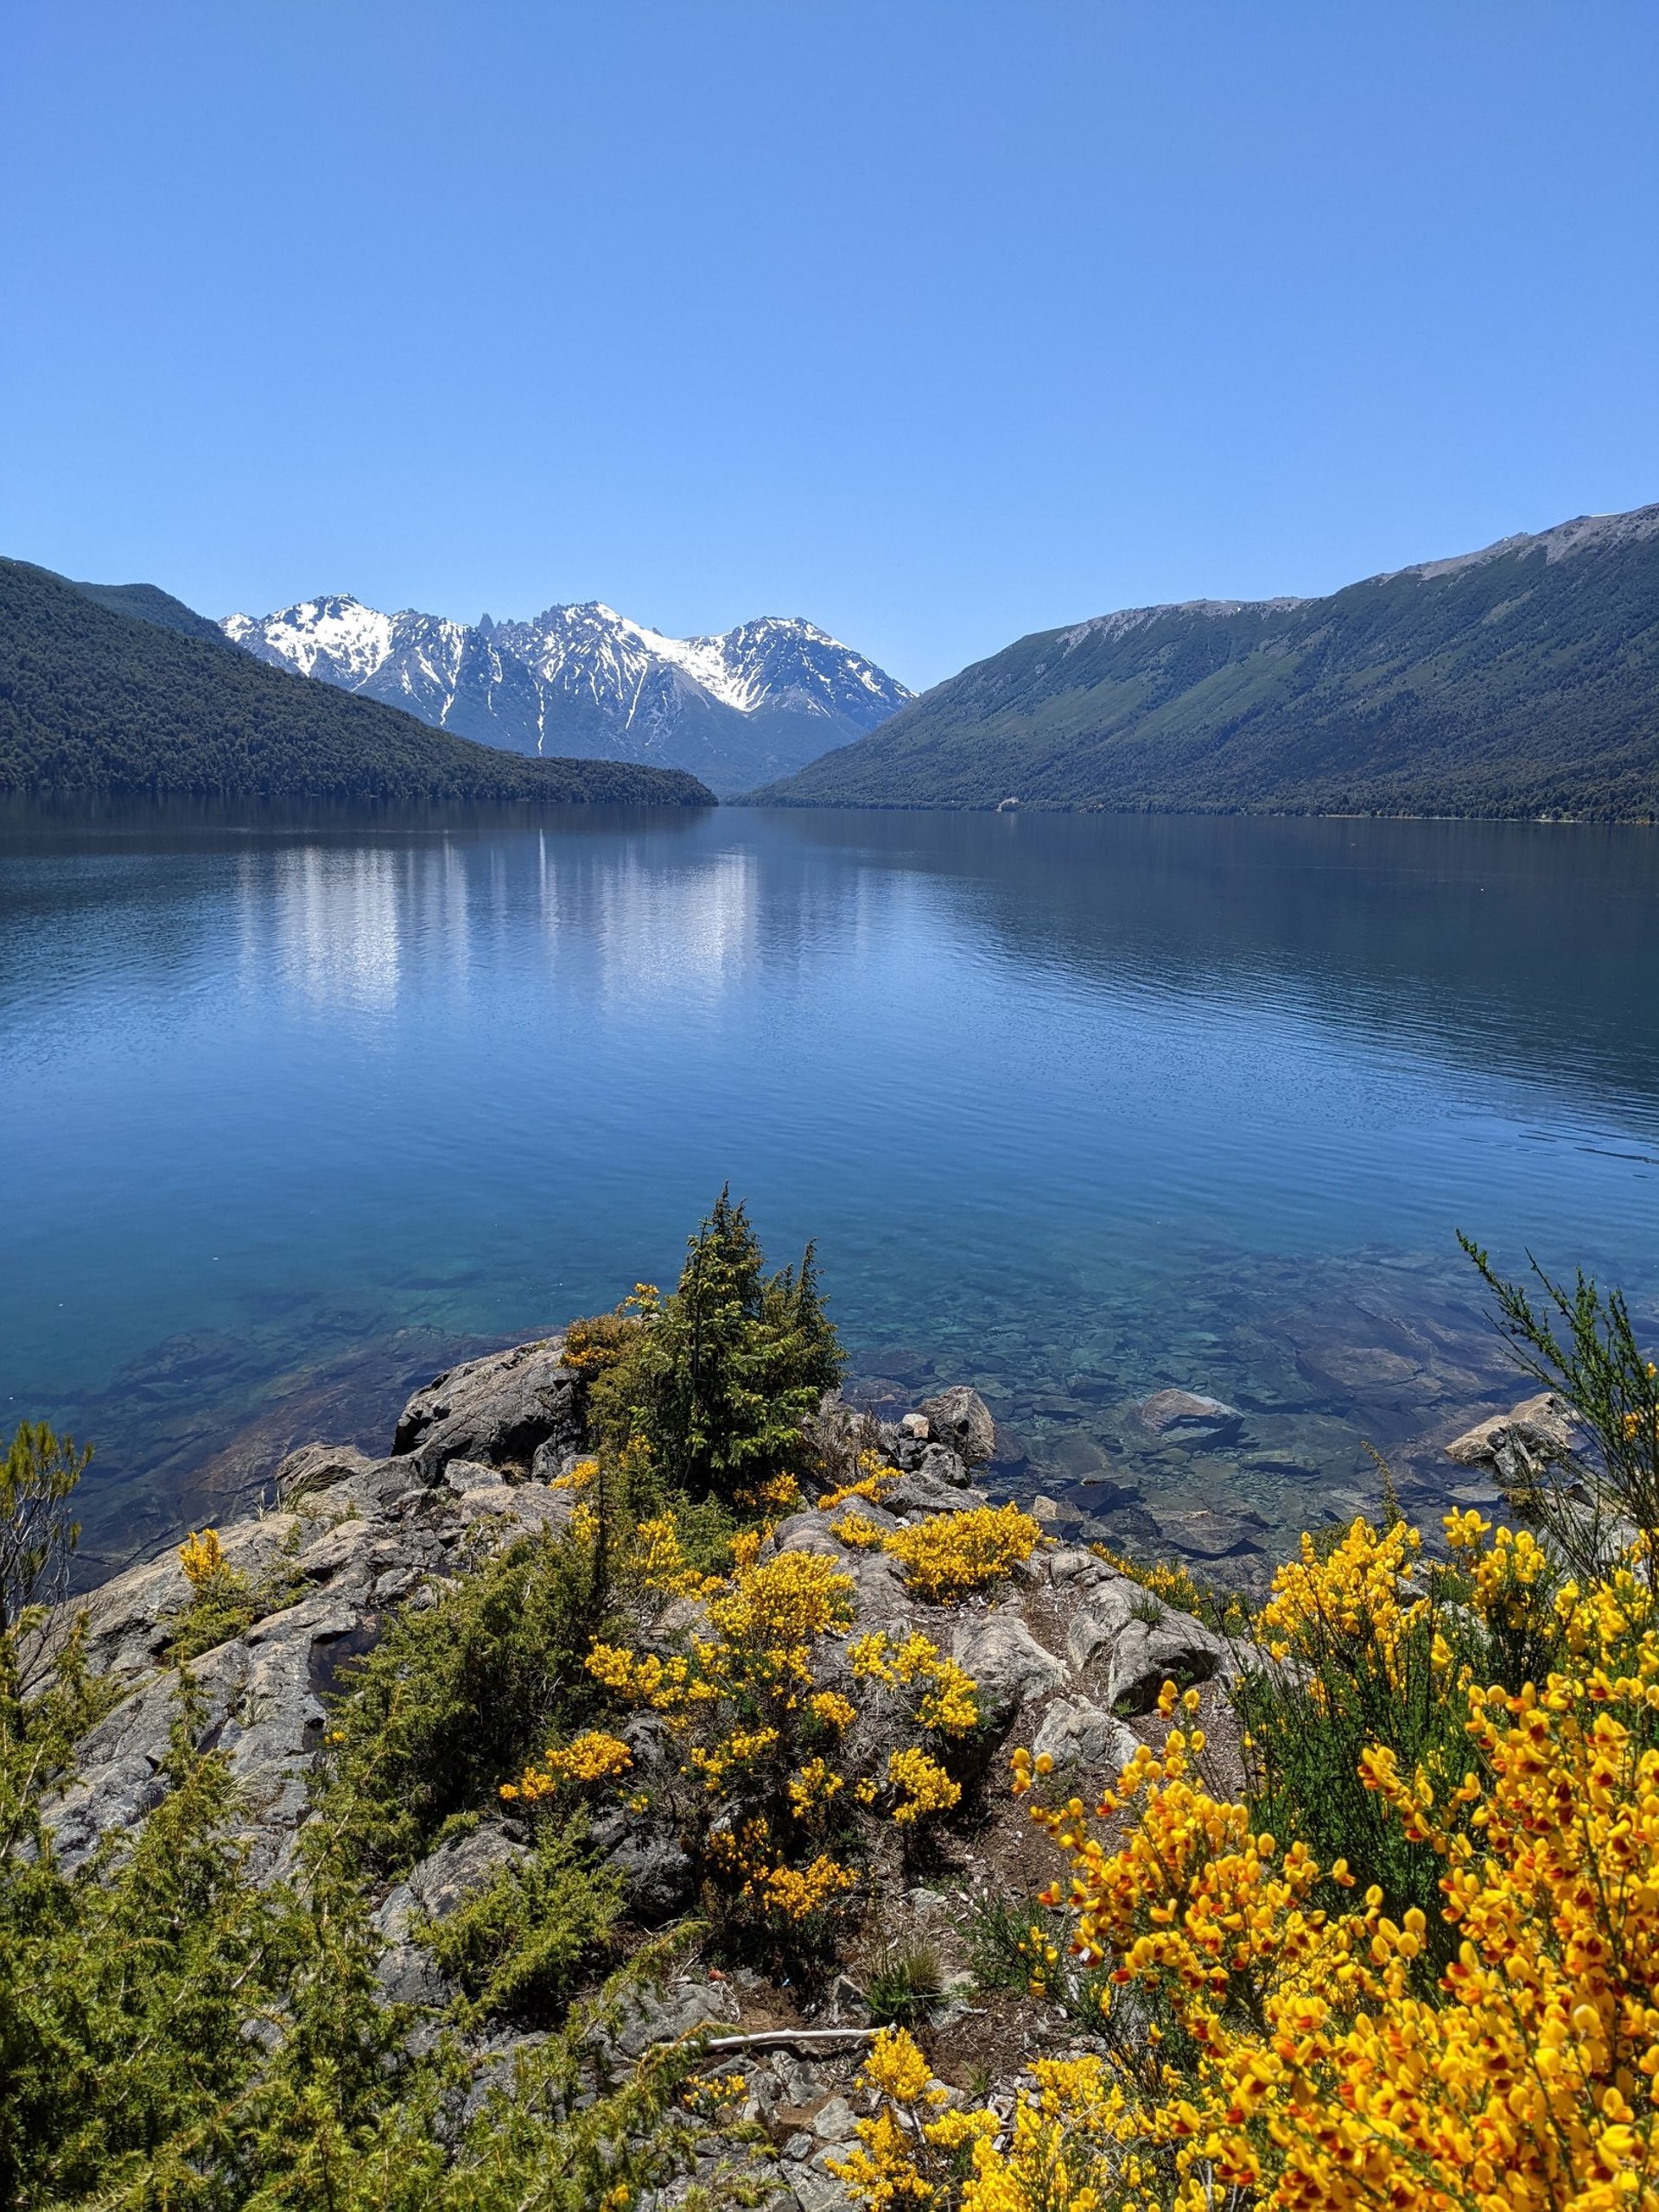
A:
[(295, 1111)]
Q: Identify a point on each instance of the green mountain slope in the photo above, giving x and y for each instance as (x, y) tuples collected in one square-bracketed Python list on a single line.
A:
[(148, 603), (1521, 681), (96, 700)]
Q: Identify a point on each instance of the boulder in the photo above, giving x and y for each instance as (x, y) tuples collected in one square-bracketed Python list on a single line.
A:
[(657, 1878), (502, 1410), (1187, 1417), (1077, 1732), (1519, 1447), (961, 1418), (1108, 1608), (1072, 1564), (652, 2016), (923, 1493), (1148, 1654), (317, 1467), (1137, 1644), (1009, 1667)]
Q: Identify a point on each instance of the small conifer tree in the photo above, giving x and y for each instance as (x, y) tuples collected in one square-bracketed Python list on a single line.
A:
[(722, 1373)]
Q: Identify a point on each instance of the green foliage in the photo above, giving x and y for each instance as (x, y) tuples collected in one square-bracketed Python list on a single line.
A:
[(520, 1945), (1581, 1343), (1518, 685), (999, 1926), (719, 1377), (38, 1535), (455, 1700), (146, 603), (176, 2037), (902, 1984), (1307, 1733), (96, 699), (224, 1603)]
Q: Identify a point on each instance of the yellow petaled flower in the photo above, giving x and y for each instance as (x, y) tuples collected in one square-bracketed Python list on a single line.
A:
[(1332, 1610), (776, 1495), (642, 1677), (202, 1558), (814, 1785), (776, 1890), (591, 1757), (946, 1703), (873, 1479), (950, 1554), (856, 1530), (662, 1565), (834, 1710), (582, 1475), (921, 1787)]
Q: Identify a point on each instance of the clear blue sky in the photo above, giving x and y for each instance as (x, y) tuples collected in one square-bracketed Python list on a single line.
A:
[(936, 321)]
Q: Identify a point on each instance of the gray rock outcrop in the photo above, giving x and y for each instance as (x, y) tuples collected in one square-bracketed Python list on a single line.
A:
[(503, 1410), (1518, 1448), (1135, 1644), (961, 1418), (1077, 1732)]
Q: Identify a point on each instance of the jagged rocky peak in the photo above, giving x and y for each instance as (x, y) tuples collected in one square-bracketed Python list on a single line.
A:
[(736, 707)]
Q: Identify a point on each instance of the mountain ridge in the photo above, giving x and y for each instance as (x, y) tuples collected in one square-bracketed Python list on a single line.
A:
[(96, 698), (1521, 679), (736, 707)]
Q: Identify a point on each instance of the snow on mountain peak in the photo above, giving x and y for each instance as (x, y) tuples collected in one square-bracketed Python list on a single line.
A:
[(585, 678)]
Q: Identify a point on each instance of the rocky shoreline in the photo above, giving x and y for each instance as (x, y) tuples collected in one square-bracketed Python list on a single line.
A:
[(1067, 1658)]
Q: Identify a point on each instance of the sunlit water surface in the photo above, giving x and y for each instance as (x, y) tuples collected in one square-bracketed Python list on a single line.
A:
[(293, 1113)]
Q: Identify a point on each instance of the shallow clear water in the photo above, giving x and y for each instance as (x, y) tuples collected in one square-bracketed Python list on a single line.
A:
[(1075, 1107)]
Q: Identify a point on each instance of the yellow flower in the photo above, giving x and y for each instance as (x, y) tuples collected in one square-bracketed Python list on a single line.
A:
[(950, 1554), (202, 1558)]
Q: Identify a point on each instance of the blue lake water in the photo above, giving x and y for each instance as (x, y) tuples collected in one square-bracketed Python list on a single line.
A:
[(291, 1113)]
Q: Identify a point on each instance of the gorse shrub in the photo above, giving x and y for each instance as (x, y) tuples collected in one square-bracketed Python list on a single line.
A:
[(952, 1555), (223, 1602)]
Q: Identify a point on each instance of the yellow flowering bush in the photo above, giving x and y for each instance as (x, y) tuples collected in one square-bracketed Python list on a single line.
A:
[(1328, 1608), (920, 1786), (202, 1557), (874, 1478), (946, 1700), (593, 1757), (950, 1554), (661, 1562), (1497, 2053), (857, 1531), (915, 2151)]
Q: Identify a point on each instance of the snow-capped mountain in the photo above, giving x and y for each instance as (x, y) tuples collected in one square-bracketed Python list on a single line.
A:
[(758, 702)]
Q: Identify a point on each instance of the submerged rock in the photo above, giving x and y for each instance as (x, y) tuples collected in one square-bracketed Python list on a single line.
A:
[(1188, 1416)]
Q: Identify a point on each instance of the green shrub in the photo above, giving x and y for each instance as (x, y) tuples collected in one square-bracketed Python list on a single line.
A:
[(520, 1945), (902, 1984), (455, 1700)]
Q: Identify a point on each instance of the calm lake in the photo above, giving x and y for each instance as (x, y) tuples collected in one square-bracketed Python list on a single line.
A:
[(293, 1113)]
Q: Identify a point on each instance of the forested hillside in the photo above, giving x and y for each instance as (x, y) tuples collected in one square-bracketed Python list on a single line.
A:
[(1522, 680), (96, 700)]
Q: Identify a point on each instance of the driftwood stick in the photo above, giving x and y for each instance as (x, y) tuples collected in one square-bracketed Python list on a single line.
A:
[(785, 2035)]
